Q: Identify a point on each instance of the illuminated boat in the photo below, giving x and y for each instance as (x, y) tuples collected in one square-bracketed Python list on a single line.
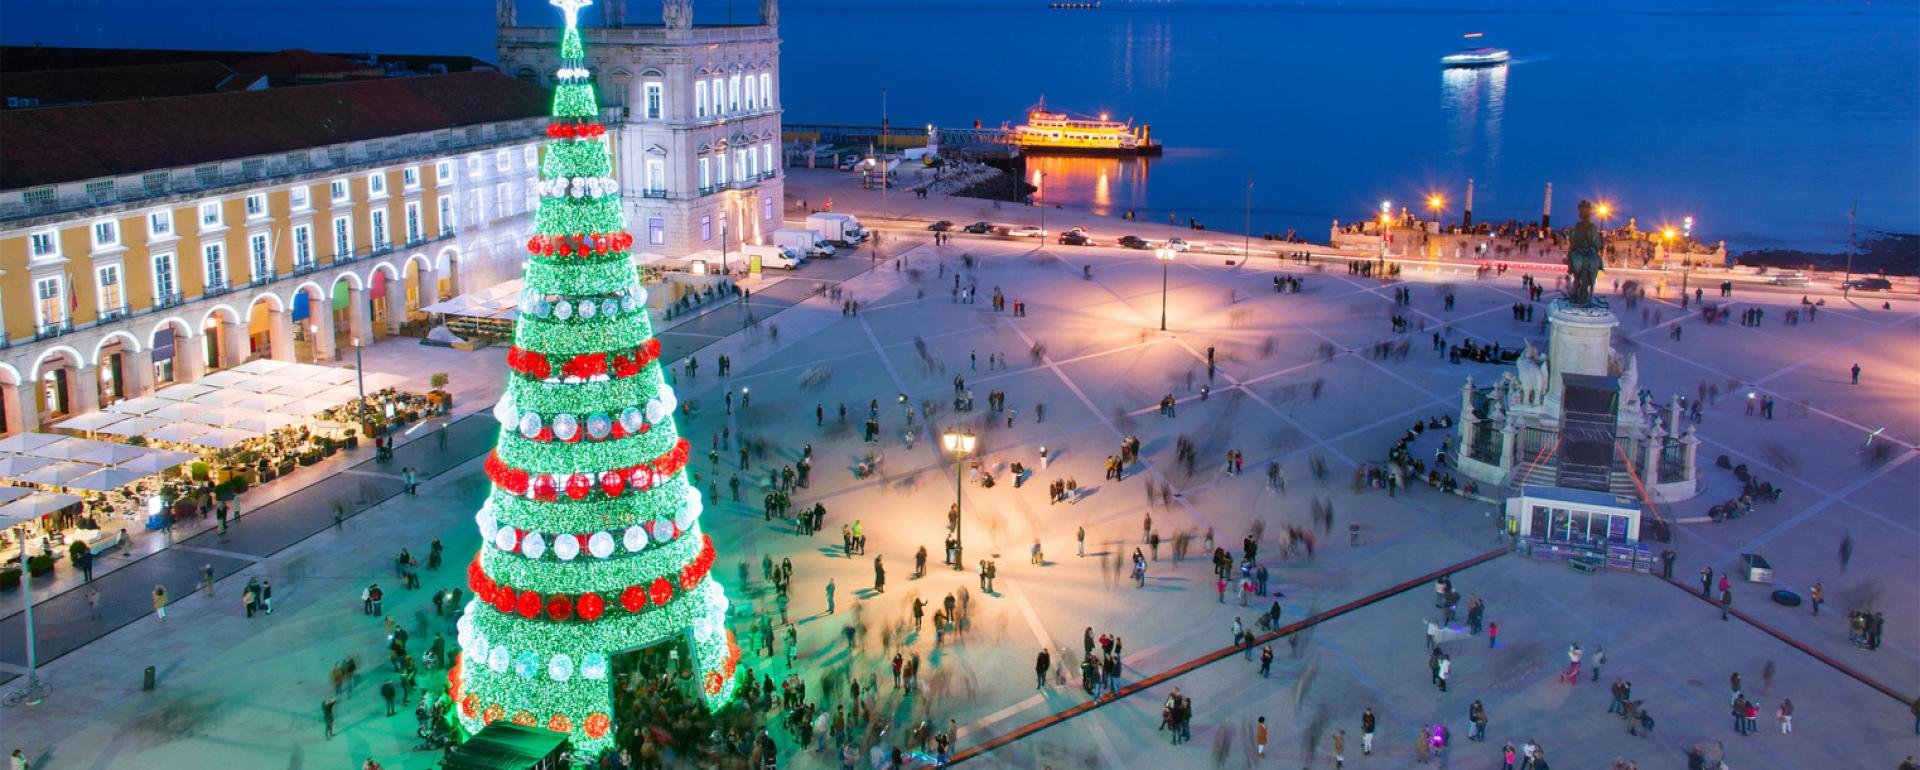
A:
[(1476, 57), (1056, 133)]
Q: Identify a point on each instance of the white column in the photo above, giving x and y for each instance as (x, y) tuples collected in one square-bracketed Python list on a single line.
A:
[(359, 317), (233, 344), (429, 287), (136, 373), (395, 304), (322, 340), (1655, 445), (83, 389), (23, 407), (190, 357), (280, 335)]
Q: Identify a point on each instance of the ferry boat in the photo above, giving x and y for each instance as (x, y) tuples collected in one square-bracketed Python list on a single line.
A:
[(1056, 133), (1476, 57)]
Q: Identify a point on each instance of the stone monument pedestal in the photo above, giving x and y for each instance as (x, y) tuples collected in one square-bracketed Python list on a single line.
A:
[(1581, 342)]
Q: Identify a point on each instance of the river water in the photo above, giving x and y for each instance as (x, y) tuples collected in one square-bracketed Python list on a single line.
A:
[(1762, 127)]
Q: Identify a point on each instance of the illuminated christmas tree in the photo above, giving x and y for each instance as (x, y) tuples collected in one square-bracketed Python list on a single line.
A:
[(591, 541)]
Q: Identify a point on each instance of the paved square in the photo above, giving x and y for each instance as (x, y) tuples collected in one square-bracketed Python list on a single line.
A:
[(240, 693)]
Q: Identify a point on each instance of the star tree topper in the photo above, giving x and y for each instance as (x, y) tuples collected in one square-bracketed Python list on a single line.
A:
[(572, 9)]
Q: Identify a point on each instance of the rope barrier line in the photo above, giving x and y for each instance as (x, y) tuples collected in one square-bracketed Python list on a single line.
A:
[(1216, 656)]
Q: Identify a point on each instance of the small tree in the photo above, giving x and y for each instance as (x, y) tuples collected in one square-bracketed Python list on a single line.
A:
[(437, 380)]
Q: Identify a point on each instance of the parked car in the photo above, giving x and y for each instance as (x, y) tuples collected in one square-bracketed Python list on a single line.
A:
[(1790, 278), (1177, 244), (1133, 242), (1026, 231), (941, 226), (1075, 238), (1869, 284), (979, 228)]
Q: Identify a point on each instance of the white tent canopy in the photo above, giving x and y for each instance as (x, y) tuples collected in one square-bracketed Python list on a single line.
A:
[(58, 474), (91, 422), (11, 466), (34, 506), (106, 479), (25, 442), (178, 432), (69, 448), (183, 391), (111, 454), (157, 461), (141, 405), (135, 426)]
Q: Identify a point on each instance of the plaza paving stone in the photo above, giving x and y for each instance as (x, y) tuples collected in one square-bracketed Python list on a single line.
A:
[(246, 693)]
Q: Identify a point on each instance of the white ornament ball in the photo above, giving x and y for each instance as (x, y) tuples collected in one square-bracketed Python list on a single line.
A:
[(684, 519), (594, 666), (527, 665), (497, 659), (589, 308), (560, 668), (630, 419), (565, 426), (600, 545), (656, 410), (485, 519), (635, 539), (565, 547), (563, 310), (609, 306), (505, 538), (503, 410), (599, 425), (529, 425), (533, 545)]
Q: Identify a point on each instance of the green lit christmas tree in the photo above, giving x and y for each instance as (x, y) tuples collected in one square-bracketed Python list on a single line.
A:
[(591, 538)]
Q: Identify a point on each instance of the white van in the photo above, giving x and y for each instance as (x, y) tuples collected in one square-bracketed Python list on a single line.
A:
[(808, 243), (773, 256)]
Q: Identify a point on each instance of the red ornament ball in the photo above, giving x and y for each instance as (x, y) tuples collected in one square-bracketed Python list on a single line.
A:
[(597, 725), (528, 605), (633, 599), (578, 485), (715, 682), (661, 592), (503, 599), (559, 607), (613, 482), (543, 488), (590, 606), (524, 718), (470, 705), (493, 714), (560, 724)]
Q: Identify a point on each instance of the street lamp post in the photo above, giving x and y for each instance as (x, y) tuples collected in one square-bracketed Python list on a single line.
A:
[(960, 445), (1039, 192), (313, 342), (359, 373), (1165, 255)]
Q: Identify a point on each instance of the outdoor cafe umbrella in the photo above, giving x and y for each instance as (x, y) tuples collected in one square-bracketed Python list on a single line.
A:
[(10, 494), (178, 433), (91, 422), (135, 426), (262, 366), (110, 454), (11, 466), (58, 474), (69, 449), (35, 506), (157, 461), (26, 442), (141, 405), (106, 480)]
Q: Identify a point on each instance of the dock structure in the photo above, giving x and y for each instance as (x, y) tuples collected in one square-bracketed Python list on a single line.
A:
[(830, 133)]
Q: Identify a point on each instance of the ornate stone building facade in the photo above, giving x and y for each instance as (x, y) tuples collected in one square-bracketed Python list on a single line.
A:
[(697, 108)]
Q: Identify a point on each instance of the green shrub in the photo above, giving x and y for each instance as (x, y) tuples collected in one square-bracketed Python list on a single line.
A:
[(40, 565), (9, 578)]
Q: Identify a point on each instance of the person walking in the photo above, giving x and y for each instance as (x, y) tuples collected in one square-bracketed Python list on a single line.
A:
[(160, 602), (1785, 715), (1260, 737), (1040, 666), (879, 576), (93, 603), (1815, 597), (1726, 600), (1339, 749), (1367, 723), (1080, 537), (830, 596), (1856, 374), (1266, 661), (266, 595), (326, 714), (1599, 659), (387, 693)]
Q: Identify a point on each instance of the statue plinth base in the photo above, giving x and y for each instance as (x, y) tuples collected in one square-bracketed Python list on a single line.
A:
[(1581, 341)]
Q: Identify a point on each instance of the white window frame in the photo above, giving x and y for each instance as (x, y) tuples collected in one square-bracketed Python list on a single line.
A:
[(377, 184), (410, 177), (706, 176), (653, 99), (530, 155), (300, 197), (752, 92), (656, 230), (475, 166), (217, 222), (256, 206), (40, 303), (656, 180), (443, 172), (160, 225), (416, 227), (502, 160), (446, 214), (720, 169), (213, 266), (502, 200), (700, 98), (377, 224), (719, 95), (341, 190), (766, 207), (766, 159), (302, 245), (260, 255), (105, 234), (706, 227), (342, 237), (102, 305), (44, 244), (166, 282), (766, 90), (733, 93)]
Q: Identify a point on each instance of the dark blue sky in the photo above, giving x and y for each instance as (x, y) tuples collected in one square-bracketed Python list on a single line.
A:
[(466, 26)]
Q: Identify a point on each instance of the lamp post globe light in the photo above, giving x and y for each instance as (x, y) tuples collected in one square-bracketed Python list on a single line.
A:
[(1165, 255), (960, 445)]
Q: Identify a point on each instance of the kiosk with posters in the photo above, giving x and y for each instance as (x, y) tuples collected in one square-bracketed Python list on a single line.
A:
[(1568, 524)]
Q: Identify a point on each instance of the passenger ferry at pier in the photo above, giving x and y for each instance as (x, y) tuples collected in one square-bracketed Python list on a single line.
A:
[(1056, 133)]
